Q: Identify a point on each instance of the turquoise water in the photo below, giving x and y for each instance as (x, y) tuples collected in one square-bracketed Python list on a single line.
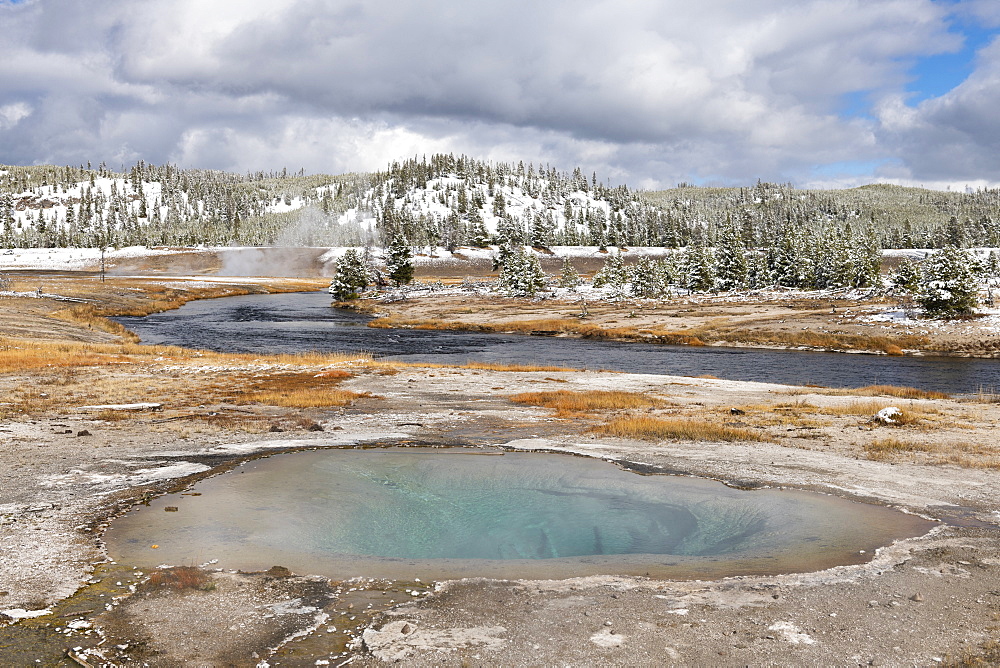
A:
[(439, 513)]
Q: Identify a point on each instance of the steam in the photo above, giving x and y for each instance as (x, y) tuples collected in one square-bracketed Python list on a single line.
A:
[(301, 248), (314, 228), (295, 262)]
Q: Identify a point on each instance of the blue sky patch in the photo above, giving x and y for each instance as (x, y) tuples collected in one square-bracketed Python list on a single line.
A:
[(935, 75)]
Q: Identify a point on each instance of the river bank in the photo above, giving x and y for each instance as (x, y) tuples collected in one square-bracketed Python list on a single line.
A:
[(90, 427)]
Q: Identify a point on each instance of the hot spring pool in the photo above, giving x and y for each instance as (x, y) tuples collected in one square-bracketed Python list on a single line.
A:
[(430, 513)]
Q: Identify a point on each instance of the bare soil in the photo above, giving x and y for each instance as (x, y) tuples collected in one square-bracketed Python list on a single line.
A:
[(67, 468)]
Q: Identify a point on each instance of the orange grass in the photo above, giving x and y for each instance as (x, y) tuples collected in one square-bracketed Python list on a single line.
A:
[(23, 354), (556, 325), (393, 367), (566, 401), (307, 398), (652, 428), (891, 345), (889, 391), (907, 416), (885, 448), (20, 355)]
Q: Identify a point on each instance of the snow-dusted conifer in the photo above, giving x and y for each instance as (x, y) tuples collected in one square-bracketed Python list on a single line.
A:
[(948, 285), (351, 277), (730, 258), (906, 277), (757, 273), (569, 278), (650, 278), (399, 261), (520, 273), (613, 274), (868, 259), (699, 273)]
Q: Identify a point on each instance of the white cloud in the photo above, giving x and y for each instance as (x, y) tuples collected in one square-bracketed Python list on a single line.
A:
[(955, 137), (11, 114), (647, 92)]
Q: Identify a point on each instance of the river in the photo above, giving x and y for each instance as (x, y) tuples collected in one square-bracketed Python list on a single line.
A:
[(301, 322)]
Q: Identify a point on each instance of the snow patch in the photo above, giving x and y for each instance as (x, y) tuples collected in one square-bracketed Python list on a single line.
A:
[(167, 472), (791, 633), (607, 638), (21, 613)]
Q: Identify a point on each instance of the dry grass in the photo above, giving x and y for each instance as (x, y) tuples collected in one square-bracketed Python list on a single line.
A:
[(963, 454), (307, 398), (907, 416), (798, 414), (490, 366), (390, 368), (987, 654), (886, 448), (18, 355), (715, 331), (888, 391), (566, 402), (86, 315), (566, 326), (890, 345), (296, 390), (645, 427)]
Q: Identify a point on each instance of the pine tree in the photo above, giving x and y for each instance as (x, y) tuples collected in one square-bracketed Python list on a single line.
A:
[(613, 274), (730, 258), (699, 274), (351, 277), (757, 274), (906, 278), (569, 278), (868, 260), (948, 286), (520, 273), (399, 261), (649, 278)]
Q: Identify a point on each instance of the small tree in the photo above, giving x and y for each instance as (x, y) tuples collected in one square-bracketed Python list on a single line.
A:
[(948, 284), (906, 278), (351, 278), (649, 278), (569, 278), (730, 258), (520, 273), (699, 273), (613, 274), (399, 261)]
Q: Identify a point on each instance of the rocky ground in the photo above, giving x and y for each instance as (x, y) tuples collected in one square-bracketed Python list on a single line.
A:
[(73, 455)]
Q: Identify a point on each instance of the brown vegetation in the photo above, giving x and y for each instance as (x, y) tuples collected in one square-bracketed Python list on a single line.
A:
[(885, 448), (713, 332), (181, 577), (889, 391), (645, 427), (567, 402)]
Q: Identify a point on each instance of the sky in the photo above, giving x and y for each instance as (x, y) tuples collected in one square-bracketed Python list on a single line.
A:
[(817, 93)]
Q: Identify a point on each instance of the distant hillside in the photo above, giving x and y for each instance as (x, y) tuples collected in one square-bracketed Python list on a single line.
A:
[(901, 217), (459, 201)]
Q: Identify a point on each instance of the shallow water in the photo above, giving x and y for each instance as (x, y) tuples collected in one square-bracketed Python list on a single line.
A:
[(405, 513), (303, 322)]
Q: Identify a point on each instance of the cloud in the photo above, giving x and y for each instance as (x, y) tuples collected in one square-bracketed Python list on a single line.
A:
[(644, 92), (955, 137)]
